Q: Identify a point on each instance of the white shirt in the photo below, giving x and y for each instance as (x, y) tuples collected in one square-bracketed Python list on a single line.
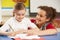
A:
[(13, 25)]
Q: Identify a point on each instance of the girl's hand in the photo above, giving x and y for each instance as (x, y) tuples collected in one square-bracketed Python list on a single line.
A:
[(11, 33), (21, 31)]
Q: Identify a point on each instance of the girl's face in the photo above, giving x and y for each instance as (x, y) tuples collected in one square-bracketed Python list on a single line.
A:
[(41, 17), (19, 14)]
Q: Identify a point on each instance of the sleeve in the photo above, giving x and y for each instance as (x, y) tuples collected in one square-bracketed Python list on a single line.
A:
[(32, 20), (5, 27), (50, 26)]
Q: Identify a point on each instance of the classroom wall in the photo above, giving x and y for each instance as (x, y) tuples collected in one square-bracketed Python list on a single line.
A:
[(8, 5), (35, 3), (9, 12)]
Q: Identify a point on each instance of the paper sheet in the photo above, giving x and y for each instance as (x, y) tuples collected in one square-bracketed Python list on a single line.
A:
[(24, 36)]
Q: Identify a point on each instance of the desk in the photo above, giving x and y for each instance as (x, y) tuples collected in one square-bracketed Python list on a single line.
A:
[(52, 37), (4, 37)]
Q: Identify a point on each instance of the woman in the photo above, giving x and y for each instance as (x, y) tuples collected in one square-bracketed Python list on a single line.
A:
[(44, 21)]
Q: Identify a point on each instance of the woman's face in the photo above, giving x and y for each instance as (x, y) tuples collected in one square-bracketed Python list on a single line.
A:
[(41, 17), (20, 14)]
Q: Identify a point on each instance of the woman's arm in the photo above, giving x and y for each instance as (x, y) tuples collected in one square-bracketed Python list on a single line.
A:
[(44, 32)]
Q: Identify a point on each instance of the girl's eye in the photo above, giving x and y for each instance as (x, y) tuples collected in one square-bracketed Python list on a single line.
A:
[(38, 14)]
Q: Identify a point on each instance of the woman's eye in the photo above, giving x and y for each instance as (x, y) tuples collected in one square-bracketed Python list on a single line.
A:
[(41, 16)]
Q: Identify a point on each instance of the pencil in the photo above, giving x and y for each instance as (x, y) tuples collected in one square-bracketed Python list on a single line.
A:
[(11, 27)]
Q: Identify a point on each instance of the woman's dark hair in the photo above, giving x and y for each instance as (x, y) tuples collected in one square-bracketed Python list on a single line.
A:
[(50, 12), (19, 6)]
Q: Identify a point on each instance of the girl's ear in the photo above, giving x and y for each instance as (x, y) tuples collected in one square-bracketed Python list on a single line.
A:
[(14, 11), (13, 14)]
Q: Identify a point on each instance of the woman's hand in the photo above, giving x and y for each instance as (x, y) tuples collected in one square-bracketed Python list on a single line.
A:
[(33, 32)]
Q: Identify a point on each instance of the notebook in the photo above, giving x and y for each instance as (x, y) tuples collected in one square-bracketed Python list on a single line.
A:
[(24, 36)]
